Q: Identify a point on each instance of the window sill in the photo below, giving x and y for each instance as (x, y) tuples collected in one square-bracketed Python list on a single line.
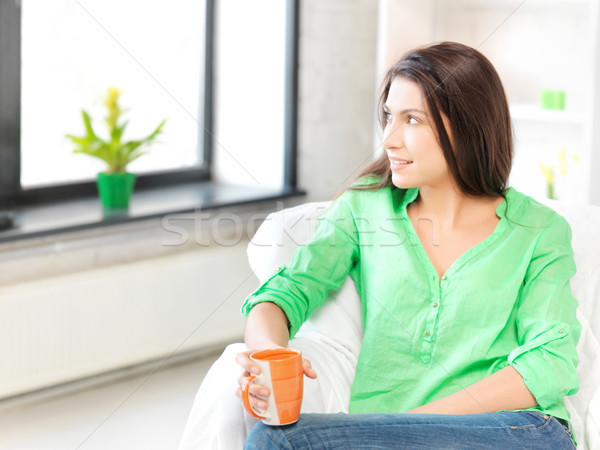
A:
[(77, 215), (74, 236)]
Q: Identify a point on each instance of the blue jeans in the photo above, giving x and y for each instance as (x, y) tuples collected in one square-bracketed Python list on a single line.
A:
[(505, 430)]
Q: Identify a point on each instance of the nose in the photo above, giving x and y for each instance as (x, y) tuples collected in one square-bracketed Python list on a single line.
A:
[(392, 136)]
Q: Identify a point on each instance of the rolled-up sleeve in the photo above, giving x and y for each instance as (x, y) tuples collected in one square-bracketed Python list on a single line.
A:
[(547, 327), (320, 266)]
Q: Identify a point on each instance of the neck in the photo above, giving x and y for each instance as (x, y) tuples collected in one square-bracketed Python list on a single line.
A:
[(450, 206)]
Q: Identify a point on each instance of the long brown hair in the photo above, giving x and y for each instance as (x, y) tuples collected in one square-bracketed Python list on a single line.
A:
[(460, 83)]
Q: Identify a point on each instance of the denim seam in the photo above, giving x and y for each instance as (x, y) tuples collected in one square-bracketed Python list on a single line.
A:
[(568, 431), (548, 418), (507, 427), (524, 427), (547, 423)]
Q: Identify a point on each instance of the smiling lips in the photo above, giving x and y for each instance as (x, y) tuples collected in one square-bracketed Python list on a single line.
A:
[(398, 163)]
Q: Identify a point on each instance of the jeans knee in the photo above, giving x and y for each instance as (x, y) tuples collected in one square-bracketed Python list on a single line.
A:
[(264, 437)]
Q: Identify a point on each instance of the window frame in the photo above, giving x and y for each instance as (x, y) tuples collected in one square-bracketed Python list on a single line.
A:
[(13, 195)]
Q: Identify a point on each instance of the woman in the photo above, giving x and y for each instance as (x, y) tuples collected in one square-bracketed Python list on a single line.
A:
[(469, 322)]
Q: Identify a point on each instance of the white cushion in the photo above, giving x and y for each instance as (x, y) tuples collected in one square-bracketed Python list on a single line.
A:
[(274, 244), (585, 405)]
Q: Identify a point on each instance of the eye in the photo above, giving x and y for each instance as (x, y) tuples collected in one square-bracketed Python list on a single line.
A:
[(412, 120), (387, 115)]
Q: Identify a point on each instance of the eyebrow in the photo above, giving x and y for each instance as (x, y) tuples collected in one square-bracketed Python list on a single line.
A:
[(408, 110)]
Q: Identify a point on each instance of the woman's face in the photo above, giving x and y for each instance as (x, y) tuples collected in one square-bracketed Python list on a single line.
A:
[(416, 158)]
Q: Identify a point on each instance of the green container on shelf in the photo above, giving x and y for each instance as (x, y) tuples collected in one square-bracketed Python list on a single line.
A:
[(552, 99), (115, 189)]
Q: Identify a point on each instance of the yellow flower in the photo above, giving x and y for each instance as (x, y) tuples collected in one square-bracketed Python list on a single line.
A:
[(562, 161), (112, 104), (548, 172), (112, 96)]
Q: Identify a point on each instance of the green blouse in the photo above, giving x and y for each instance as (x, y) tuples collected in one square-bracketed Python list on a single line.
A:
[(505, 301)]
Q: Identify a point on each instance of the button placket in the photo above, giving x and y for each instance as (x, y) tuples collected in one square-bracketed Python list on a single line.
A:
[(428, 335), (430, 325), (429, 332)]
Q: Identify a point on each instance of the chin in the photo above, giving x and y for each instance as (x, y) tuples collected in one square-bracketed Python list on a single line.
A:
[(403, 182)]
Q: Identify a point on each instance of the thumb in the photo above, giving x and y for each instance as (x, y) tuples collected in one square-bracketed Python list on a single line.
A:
[(308, 370)]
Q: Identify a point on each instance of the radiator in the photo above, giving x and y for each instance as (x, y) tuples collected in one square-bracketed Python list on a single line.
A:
[(63, 328)]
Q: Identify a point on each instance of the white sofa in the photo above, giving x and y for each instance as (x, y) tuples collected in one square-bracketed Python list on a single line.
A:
[(331, 339)]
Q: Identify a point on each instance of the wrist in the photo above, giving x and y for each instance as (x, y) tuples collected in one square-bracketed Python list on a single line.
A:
[(264, 344)]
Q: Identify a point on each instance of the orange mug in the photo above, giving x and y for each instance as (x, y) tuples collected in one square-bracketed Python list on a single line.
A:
[(282, 372)]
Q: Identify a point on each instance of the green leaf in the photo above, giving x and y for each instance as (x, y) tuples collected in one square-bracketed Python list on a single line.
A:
[(116, 153), (117, 132), (135, 156), (88, 124), (77, 140)]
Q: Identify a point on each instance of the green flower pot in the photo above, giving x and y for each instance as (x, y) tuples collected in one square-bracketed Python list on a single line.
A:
[(115, 189), (552, 99)]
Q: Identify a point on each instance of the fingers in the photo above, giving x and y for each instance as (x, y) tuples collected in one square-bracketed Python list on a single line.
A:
[(242, 379), (254, 389), (308, 370), (243, 359), (258, 403), (257, 393)]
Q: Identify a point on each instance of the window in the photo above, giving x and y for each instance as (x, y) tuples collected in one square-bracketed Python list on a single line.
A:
[(69, 53), (59, 57), (153, 55), (255, 85)]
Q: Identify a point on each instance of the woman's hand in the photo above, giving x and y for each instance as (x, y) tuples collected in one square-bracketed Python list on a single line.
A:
[(258, 390), (267, 327)]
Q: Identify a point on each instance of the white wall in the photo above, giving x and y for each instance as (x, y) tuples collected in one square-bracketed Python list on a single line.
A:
[(338, 88), (528, 59)]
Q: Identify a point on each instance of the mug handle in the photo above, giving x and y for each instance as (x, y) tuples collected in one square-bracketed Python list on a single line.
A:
[(246, 401)]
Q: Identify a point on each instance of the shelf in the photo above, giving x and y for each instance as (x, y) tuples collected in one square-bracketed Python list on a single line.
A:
[(534, 113), (516, 4)]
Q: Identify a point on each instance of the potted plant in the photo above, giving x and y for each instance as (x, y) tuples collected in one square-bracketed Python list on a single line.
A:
[(115, 185)]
